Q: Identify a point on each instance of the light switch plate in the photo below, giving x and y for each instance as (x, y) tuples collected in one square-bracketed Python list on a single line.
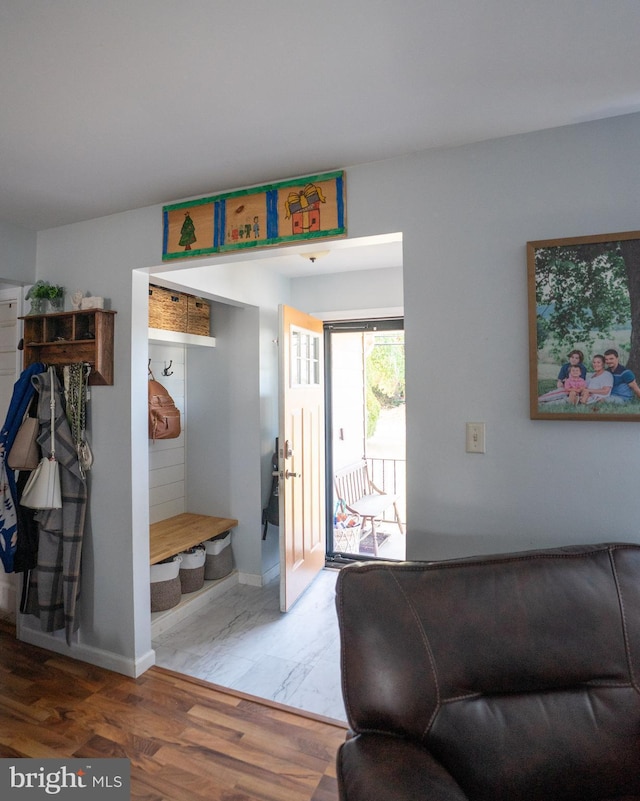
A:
[(475, 438)]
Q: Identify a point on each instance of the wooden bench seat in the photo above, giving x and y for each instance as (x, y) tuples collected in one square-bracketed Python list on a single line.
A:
[(176, 534), (361, 497)]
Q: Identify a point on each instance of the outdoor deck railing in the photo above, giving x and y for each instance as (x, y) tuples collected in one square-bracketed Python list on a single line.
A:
[(390, 476)]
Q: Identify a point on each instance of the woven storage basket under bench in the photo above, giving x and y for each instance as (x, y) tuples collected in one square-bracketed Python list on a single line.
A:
[(192, 569), (175, 534), (165, 584)]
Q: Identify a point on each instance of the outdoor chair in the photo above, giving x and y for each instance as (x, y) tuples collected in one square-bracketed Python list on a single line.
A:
[(363, 498)]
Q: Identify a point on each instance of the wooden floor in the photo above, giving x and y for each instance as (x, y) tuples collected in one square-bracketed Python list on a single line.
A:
[(186, 739)]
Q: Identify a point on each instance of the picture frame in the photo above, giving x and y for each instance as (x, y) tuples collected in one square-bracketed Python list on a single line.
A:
[(584, 310)]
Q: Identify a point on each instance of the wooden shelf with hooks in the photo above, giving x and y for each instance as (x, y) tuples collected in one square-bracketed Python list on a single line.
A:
[(67, 337)]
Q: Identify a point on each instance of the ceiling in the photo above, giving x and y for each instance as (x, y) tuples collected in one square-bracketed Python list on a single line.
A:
[(109, 106)]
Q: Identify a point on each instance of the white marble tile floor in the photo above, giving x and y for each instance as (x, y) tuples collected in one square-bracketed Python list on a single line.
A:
[(242, 641)]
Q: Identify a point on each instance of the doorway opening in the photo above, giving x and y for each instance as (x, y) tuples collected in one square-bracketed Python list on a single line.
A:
[(366, 439), (248, 644)]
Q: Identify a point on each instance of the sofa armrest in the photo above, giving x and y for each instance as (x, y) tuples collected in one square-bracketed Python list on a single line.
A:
[(390, 768)]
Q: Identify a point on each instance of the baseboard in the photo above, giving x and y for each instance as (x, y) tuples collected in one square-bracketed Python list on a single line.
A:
[(271, 574), (57, 643), (255, 580)]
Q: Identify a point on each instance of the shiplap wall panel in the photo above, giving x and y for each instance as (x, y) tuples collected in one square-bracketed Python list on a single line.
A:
[(167, 457)]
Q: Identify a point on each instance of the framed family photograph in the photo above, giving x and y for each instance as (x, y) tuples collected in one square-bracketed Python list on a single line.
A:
[(584, 327)]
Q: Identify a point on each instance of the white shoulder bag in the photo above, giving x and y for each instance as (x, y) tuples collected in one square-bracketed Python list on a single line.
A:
[(42, 490)]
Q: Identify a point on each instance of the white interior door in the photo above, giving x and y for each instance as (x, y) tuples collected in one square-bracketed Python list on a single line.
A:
[(301, 453), (10, 357), (10, 369)]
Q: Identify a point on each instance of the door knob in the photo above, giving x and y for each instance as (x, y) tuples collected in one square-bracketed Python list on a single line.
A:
[(288, 474)]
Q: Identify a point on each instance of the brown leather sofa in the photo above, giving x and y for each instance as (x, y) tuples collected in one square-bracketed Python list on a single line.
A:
[(513, 677)]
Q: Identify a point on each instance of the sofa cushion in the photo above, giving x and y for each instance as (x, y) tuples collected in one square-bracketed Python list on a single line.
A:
[(518, 672)]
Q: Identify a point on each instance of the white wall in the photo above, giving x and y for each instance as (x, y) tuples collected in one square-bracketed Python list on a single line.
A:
[(17, 254), (224, 442), (100, 256), (465, 214)]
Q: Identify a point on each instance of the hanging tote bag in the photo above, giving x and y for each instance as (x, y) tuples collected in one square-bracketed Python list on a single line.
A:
[(42, 490), (25, 453)]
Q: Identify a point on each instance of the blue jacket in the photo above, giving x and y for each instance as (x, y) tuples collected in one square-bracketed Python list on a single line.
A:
[(23, 392)]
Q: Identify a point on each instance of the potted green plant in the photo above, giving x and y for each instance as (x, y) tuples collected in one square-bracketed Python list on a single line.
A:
[(43, 293)]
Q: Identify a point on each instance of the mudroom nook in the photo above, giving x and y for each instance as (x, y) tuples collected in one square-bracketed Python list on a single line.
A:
[(193, 499)]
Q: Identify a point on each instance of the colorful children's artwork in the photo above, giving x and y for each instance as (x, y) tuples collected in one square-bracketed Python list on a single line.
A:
[(313, 207)]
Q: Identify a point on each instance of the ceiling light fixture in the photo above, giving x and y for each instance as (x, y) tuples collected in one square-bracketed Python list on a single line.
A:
[(318, 254)]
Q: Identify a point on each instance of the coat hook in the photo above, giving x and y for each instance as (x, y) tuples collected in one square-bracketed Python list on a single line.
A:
[(166, 369)]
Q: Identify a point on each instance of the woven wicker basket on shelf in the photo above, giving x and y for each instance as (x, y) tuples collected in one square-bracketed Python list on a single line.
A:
[(198, 316), (167, 309)]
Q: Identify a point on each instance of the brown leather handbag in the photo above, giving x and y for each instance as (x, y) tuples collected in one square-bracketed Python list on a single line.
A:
[(164, 415)]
